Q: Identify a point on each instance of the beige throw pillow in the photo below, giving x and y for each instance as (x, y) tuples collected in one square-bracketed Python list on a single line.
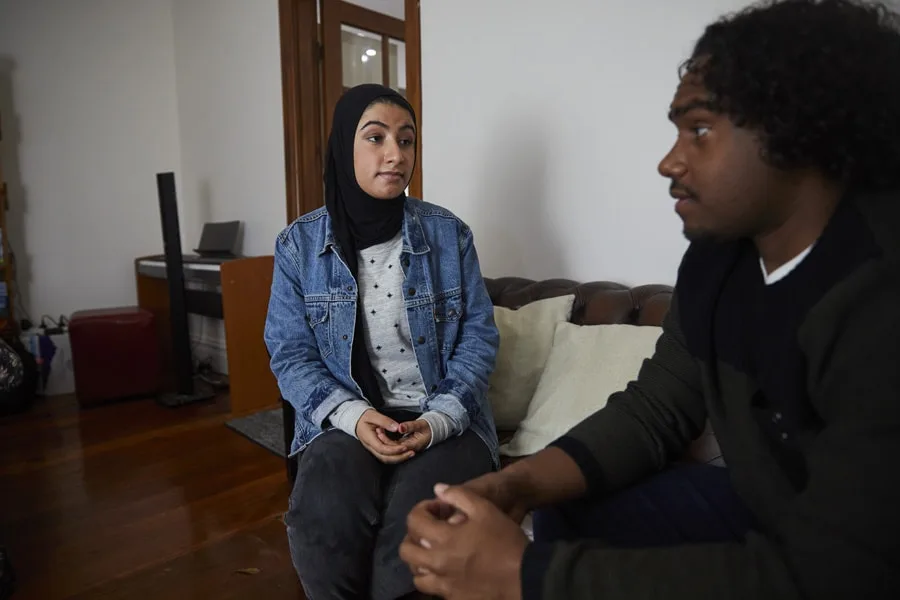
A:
[(526, 336), (586, 365)]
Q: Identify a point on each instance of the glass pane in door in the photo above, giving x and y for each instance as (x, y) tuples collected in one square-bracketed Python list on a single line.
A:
[(397, 65), (361, 57)]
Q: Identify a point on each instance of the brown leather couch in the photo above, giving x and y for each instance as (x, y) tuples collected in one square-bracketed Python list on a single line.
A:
[(596, 303), (599, 303)]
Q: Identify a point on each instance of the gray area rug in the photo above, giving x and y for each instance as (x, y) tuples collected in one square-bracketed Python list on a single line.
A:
[(265, 428)]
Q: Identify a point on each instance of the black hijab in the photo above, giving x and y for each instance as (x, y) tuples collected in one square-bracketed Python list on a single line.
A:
[(357, 219)]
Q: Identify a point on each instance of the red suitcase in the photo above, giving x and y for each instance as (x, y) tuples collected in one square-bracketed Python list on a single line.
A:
[(115, 354)]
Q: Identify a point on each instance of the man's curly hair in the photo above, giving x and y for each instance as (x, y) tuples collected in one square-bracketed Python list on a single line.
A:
[(818, 80)]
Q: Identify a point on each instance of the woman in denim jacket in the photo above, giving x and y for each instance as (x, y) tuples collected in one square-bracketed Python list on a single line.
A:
[(382, 337)]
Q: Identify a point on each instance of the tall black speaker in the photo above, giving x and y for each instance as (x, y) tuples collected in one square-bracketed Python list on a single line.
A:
[(186, 389)]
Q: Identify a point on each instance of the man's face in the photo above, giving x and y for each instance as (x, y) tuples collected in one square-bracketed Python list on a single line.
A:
[(722, 187)]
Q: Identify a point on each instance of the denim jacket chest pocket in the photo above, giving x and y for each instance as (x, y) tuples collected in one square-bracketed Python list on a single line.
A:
[(448, 312), (317, 315)]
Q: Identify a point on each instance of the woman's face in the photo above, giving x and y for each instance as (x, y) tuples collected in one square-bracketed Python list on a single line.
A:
[(384, 150)]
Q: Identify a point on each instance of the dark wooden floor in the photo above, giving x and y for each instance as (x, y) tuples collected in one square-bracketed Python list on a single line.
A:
[(133, 500)]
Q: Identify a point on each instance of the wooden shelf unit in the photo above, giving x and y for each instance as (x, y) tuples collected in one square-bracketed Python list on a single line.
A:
[(8, 325)]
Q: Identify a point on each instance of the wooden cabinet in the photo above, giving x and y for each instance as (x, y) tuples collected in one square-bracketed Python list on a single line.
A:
[(8, 326)]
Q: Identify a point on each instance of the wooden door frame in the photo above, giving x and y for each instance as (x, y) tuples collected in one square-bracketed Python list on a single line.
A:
[(300, 57), (412, 23), (334, 14), (303, 80)]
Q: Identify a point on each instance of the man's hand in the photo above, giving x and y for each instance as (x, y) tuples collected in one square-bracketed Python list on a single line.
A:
[(479, 557), (381, 447), (500, 489), (548, 477)]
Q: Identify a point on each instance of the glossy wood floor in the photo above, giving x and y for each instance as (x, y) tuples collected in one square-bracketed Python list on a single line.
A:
[(133, 500)]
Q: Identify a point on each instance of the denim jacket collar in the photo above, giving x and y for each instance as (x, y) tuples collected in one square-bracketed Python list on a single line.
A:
[(413, 236)]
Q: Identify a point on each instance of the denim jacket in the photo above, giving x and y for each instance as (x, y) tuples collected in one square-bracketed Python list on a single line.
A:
[(312, 311)]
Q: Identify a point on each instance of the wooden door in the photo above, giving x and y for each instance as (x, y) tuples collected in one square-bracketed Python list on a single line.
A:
[(312, 82), (414, 83), (359, 46)]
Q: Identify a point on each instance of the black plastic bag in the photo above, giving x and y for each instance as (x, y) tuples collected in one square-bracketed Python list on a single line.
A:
[(7, 575), (18, 377)]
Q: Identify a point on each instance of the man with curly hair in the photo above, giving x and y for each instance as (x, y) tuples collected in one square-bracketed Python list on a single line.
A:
[(783, 334)]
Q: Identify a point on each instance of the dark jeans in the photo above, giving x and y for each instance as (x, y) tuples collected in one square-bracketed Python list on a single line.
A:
[(347, 512), (684, 505)]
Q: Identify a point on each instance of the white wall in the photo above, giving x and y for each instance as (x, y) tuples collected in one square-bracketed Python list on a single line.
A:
[(544, 123), (228, 65), (228, 69), (393, 8), (87, 92), (98, 96)]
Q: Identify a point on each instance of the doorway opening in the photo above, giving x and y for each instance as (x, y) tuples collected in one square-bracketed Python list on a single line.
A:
[(328, 46)]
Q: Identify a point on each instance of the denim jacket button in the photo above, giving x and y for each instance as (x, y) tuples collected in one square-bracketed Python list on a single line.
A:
[(349, 288), (345, 337), (412, 291), (433, 388), (420, 340)]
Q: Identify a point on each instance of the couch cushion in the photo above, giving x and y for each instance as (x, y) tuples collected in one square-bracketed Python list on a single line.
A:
[(586, 365), (596, 303), (526, 336)]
